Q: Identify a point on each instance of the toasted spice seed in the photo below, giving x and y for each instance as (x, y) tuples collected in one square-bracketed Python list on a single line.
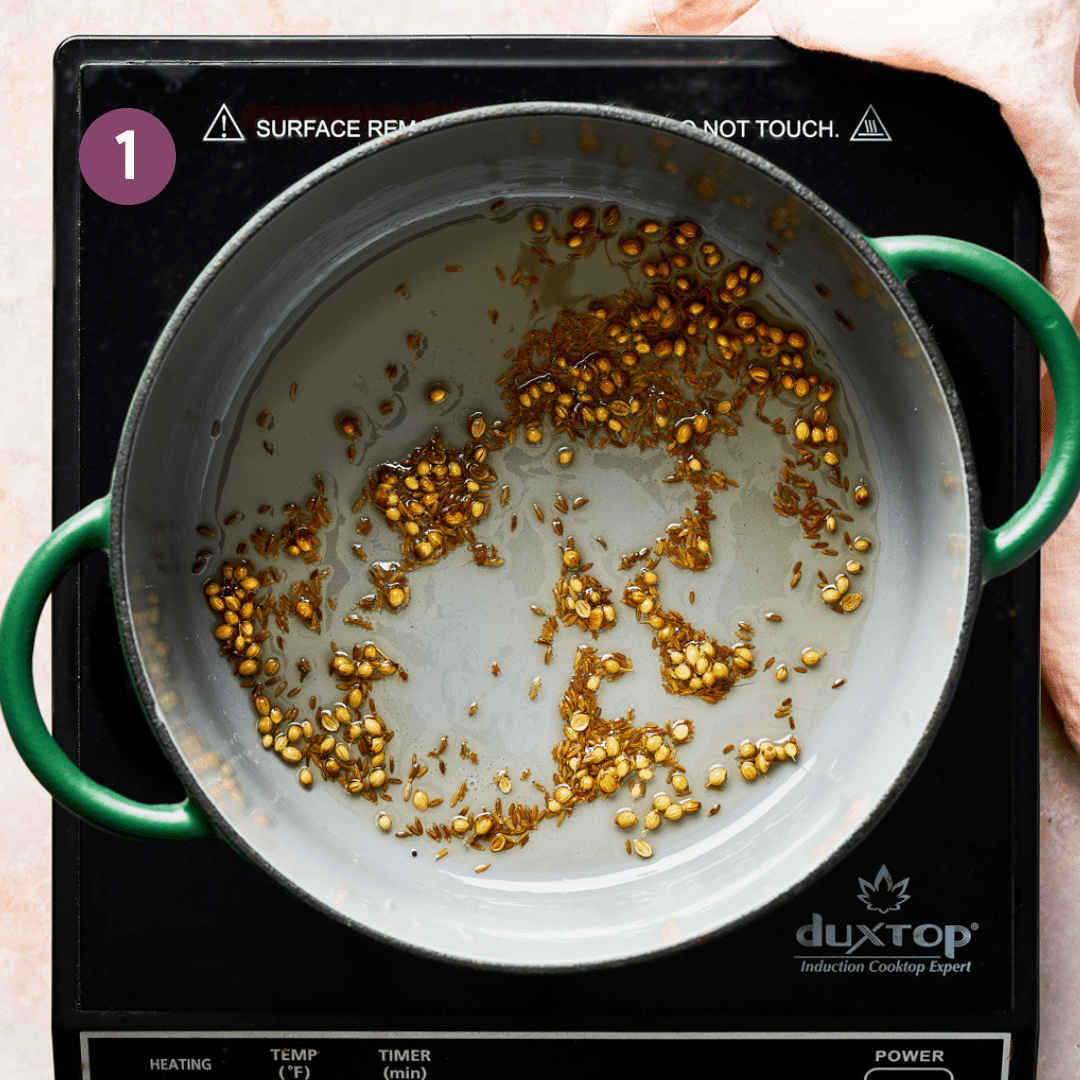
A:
[(477, 425), (717, 777), (643, 848), (626, 818)]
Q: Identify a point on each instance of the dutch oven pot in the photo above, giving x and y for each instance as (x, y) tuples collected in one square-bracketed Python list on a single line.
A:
[(550, 915)]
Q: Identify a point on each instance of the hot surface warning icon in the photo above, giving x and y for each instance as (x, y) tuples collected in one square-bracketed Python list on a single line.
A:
[(223, 128), (870, 128)]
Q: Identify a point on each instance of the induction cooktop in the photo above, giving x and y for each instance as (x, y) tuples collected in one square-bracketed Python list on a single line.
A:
[(173, 958)]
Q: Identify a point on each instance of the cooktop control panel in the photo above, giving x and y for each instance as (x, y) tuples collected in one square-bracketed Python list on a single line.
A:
[(397, 1055)]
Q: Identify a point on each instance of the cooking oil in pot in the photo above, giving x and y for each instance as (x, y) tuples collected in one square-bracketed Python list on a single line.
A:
[(547, 507)]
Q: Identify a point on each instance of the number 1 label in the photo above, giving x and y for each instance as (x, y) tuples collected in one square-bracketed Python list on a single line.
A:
[(128, 139), (114, 177)]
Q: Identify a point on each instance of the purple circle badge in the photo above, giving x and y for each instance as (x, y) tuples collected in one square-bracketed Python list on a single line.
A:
[(127, 156)]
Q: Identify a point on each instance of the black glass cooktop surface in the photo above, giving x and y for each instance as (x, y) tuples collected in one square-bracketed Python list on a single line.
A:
[(183, 957)]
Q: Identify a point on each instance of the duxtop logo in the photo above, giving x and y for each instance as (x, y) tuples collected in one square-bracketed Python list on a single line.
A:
[(883, 895), (883, 946)]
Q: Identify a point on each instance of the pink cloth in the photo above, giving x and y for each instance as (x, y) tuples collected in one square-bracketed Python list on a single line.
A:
[(1025, 54)]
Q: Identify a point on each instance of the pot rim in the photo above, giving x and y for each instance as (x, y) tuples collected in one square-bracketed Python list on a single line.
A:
[(448, 121)]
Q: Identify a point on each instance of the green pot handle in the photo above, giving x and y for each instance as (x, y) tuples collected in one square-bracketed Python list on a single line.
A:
[(1007, 546), (86, 531)]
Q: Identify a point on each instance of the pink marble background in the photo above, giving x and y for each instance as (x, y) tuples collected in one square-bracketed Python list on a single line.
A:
[(29, 34)]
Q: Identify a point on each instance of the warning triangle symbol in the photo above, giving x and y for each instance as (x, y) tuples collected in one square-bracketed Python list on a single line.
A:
[(870, 128), (223, 128)]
